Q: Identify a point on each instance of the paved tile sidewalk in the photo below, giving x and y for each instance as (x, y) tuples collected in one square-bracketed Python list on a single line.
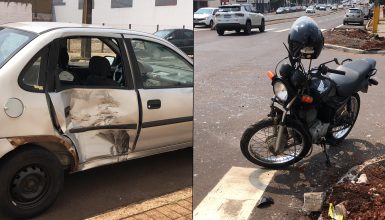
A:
[(176, 205)]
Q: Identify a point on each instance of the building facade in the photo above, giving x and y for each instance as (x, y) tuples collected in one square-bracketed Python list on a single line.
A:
[(140, 15), (25, 10)]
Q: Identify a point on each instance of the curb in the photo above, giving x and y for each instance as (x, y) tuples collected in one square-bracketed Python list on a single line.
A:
[(145, 206), (356, 170), (353, 50)]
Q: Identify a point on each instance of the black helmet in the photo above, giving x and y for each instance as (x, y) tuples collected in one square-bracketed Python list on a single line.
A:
[(305, 39)]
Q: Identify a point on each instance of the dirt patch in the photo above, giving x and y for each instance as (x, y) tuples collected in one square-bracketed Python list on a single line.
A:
[(354, 38), (364, 200)]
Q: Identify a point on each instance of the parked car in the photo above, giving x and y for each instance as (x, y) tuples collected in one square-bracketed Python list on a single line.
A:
[(310, 9), (205, 16), (182, 38), (354, 15), (280, 10), (322, 7), (334, 8), (340, 6), (130, 96), (293, 8), (287, 9), (237, 17)]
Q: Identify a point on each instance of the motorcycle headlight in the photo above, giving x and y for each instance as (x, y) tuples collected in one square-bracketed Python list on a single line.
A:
[(280, 91)]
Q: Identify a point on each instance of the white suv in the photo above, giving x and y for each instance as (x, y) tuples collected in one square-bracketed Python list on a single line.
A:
[(205, 16), (237, 17)]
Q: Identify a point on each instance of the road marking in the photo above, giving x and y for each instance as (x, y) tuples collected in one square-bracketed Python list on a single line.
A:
[(235, 195), (282, 30), (270, 29), (339, 26)]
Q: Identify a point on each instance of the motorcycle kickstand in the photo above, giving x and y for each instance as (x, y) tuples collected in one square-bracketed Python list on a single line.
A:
[(328, 163)]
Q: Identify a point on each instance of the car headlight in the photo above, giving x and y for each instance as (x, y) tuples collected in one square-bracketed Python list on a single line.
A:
[(280, 91)]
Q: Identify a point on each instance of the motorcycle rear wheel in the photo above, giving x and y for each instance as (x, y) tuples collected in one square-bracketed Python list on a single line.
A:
[(263, 134), (334, 138)]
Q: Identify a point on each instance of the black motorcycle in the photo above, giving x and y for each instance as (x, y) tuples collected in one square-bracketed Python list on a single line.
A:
[(317, 106)]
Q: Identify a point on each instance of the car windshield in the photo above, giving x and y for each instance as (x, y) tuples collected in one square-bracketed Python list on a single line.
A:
[(229, 8), (163, 33), (204, 11), (11, 41)]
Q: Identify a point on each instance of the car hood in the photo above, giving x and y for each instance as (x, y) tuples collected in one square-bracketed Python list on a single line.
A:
[(201, 15)]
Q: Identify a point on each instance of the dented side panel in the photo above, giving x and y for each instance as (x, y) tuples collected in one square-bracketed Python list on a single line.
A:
[(102, 122)]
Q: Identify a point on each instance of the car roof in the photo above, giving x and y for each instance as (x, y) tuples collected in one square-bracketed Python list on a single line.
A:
[(43, 27), (208, 8)]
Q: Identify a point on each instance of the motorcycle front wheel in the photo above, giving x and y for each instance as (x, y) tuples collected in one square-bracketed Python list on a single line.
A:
[(258, 141)]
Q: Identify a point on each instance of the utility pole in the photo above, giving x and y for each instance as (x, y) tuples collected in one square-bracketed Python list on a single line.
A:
[(87, 19), (376, 16)]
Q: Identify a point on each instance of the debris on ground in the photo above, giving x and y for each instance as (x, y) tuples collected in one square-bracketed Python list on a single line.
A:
[(312, 201), (265, 201), (354, 38), (353, 200)]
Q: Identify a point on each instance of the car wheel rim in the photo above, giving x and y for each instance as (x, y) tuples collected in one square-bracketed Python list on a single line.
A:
[(29, 186)]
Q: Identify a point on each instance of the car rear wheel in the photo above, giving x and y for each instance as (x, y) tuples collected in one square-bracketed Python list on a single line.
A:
[(248, 28), (220, 31), (30, 180)]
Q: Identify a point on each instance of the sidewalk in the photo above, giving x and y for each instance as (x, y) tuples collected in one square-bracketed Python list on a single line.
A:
[(381, 27), (176, 205)]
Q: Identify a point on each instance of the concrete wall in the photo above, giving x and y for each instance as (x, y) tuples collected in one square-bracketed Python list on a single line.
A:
[(143, 16), (14, 12)]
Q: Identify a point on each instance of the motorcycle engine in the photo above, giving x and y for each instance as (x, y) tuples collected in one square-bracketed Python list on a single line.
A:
[(318, 130)]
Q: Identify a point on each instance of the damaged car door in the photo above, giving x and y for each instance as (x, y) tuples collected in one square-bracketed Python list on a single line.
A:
[(164, 77), (92, 97)]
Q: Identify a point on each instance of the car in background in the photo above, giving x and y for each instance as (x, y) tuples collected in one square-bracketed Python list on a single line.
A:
[(130, 96), (182, 38), (238, 17), (293, 8), (205, 16), (334, 7), (340, 6), (287, 10), (280, 10), (322, 7), (354, 15), (310, 9)]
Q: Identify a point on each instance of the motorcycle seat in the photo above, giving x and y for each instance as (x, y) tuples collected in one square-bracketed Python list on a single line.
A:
[(355, 73)]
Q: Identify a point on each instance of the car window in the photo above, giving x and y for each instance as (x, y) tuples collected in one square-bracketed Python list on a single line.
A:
[(188, 34), (162, 33), (161, 67), (90, 62), (248, 8), (11, 41), (203, 11), (32, 78)]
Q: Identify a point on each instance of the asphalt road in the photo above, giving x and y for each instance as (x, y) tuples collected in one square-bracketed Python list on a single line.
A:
[(232, 91), (95, 191)]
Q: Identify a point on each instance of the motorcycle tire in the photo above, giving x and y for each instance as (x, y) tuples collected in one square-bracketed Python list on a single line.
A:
[(332, 140), (268, 122)]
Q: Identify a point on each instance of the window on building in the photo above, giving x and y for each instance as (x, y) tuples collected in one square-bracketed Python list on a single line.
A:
[(58, 2), (81, 3), (121, 3), (165, 2)]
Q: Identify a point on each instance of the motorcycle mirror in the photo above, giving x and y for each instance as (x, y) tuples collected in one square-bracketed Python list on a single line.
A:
[(336, 61)]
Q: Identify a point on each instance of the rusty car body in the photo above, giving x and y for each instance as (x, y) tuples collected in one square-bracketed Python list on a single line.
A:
[(130, 97)]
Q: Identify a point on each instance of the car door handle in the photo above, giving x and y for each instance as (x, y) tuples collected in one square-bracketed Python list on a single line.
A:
[(153, 104)]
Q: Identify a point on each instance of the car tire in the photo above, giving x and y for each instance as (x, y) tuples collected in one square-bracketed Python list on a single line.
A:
[(31, 178), (247, 29), (211, 24), (262, 27), (220, 31), (362, 23)]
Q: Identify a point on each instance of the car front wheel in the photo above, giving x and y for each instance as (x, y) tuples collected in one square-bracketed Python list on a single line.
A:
[(30, 181), (248, 28), (262, 27), (220, 31)]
